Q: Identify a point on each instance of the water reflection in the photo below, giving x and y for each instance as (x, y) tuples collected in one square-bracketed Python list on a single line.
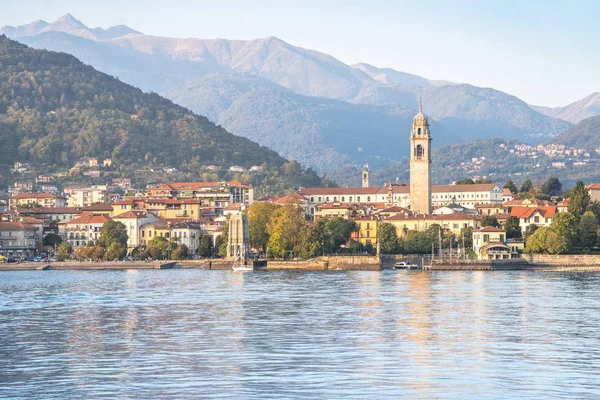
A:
[(195, 333)]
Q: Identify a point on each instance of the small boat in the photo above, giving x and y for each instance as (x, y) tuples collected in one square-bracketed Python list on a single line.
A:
[(405, 265), (239, 266)]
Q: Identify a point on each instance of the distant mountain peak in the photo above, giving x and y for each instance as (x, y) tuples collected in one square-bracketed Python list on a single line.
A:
[(589, 106)]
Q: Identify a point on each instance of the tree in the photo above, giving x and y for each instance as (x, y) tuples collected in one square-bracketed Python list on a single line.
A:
[(160, 248), (339, 231), (466, 237), (579, 200), (527, 186), (465, 181), (565, 225), (259, 216), (530, 230), (512, 227), (555, 243), (220, 243), (285, 232), (116, 251), (510, 185), (417, 242), (205, 249), (552, 187), (490, 220), (387, 237), (112, 232), (483, 180), (587, 230), (536, 243), (181, 253), (64, 251), (52, 239)]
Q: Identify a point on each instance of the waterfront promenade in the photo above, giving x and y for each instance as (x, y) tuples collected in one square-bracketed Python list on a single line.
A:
[(573, 263)]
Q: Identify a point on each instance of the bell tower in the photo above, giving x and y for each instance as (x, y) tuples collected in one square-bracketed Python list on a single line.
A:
[(365, 176), (420, 164)]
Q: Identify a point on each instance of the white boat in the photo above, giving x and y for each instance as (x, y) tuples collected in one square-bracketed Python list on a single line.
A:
[(405, 265), (239, 266)]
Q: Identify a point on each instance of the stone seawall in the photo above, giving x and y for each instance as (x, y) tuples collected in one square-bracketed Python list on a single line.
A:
[(358, 263), (309, 265), (564, 260), (480, 265)]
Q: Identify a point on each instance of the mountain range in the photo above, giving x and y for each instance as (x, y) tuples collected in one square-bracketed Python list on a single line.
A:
[(575, 112), (305, 104), (55, 111)]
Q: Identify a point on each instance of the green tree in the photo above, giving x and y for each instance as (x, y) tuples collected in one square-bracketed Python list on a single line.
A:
[(512, 227), (286, 230), (115, 251), (417, 242), (387, 237), (490, 220), (483, 180), (565, 225), (205, 249), (536, 243), (510, 185), (112, 232), (259, 216), (338, 232), (552, 187), (527, 186), (160, 248), (181, 253), (466, 237), (530, 230), (587, 231), (220, 246), (64, 251), (465, 181), (52, 239), (555, 243), (579, 200)]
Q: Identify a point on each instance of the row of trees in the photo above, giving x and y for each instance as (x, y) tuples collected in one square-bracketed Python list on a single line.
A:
[(422, 242)]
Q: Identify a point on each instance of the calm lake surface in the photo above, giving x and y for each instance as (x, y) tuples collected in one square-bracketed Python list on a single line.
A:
[(178, 334)]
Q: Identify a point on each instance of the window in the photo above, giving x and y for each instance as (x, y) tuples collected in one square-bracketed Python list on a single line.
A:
[(327, 199), (419, 131), (358, 199), (319, 199), (312, 199), (350, 199), (419, 151), (368, 226), (368, 198), (486, 238), (343, 199), (368, 233), (536, 219)]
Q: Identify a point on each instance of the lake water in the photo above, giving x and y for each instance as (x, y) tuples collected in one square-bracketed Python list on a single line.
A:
[(178, 334)]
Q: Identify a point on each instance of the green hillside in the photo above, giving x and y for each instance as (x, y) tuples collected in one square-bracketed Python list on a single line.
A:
[(54, 110), (586, 134)]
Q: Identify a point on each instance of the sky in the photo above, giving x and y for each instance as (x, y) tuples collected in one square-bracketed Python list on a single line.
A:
[(544, 52)]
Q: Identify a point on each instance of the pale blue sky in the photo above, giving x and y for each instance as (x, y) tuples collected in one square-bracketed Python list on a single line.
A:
[(545, 52)]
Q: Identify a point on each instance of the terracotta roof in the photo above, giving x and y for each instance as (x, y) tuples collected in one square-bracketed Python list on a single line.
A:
[(506, 192), (490, 229), (481, 187), (531, 202), (88, 218), (339, 191), (395, 209), (15, 226), (594, 186), (526, 212), (36, 196), (234, 206), (52, 210), (432, 217), (335, 206), (132, 214)]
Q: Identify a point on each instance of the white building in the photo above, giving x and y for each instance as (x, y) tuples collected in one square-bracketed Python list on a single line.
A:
[(84, 197), (133, 221), (79, 231)]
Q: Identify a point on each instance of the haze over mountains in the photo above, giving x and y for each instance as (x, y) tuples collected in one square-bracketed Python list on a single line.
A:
[(302, 103), (575, 112)]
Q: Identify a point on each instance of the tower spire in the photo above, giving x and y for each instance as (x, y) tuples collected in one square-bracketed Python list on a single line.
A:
[(420, 102)]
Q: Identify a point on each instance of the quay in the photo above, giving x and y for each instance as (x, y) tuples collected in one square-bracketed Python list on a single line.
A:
[(561, 263)]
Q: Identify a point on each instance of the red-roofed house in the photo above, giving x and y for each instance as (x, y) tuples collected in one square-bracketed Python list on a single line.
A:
[(490, 243), (540, 216), (79, 231), (594, 190)]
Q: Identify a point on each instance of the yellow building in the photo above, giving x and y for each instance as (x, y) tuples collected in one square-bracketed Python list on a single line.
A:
[(164, 208), (333, 210), (453, 222), (367, 232)]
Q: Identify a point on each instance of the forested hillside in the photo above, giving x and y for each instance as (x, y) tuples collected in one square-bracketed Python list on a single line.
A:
[(55, 110)]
